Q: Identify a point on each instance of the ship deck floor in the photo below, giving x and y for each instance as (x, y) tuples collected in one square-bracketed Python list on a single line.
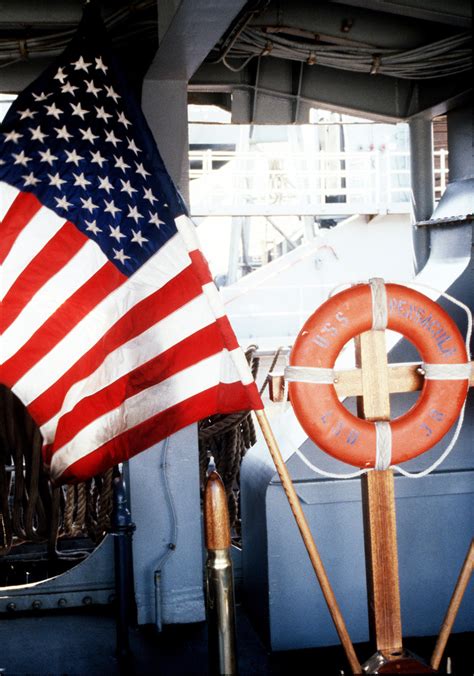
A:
[(83, 642)]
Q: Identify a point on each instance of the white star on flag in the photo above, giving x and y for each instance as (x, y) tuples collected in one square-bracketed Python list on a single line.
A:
[(138, 238), (99, 64), (77, 109), (13, 136), (47, 156), (56, 180), (155, 219), (63, 203), (80, 64), (72, 156), (63, 133), (68, 88), (133, 213), (30, 179), (131, 146), (141, 170), (120, 164), (112, 94), (126, 123), (37, 134), (60, 75), (97, 158), (87, 135), (101, 114), (111, 208), (105, 184), (88, 204), (116, 233), (91, 88), (54, 111), (21, 158), (111, 138), (81, 180), (93, 227), (148, 195), (126, 187), (120, 255), (27, 113)]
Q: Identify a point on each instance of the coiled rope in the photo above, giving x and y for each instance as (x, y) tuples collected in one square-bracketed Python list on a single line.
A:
[(31, 510)]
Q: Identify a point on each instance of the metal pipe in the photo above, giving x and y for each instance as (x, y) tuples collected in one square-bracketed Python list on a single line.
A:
[(122, 529), (219, 580)]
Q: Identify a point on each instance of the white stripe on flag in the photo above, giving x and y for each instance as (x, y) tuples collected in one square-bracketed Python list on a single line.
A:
[(8, 195), (151, 343), (156, 399), (187, 230), (168, 261), (241, 366), (42, 227), (215, 301), (56, 291)]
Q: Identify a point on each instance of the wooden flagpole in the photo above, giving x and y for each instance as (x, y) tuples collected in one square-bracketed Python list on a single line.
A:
[(308, 540), (461, 585)]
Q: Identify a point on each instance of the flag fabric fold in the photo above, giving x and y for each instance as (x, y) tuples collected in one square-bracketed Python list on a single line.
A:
[(112, 331)]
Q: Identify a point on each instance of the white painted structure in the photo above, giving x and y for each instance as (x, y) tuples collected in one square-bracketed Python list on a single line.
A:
[(269, 306)]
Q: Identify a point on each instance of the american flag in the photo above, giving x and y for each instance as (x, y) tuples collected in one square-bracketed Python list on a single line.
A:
[(113, 333)]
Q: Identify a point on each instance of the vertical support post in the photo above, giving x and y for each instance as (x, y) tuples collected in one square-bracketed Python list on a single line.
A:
[(422, 173), (378, 502), (234, 249), (123, 528), (164, 104)]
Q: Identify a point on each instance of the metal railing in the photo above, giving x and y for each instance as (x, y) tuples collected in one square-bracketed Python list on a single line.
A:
[(235, 183)]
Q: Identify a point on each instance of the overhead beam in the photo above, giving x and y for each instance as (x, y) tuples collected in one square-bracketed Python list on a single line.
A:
[(347, 23), (454, 12), (192, 32), (271, 97)]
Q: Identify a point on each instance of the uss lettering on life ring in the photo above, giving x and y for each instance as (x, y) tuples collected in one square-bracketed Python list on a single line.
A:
[(352, 312)]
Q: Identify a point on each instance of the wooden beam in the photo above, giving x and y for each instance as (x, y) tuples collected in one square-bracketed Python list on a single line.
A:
[(401, 378), (371, 356), (380, 533), (378, 504)]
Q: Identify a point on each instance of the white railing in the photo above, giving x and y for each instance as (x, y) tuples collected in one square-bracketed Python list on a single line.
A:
[(235, 183)]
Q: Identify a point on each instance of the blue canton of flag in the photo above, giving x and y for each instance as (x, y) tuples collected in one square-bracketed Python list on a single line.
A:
[(75, 147)]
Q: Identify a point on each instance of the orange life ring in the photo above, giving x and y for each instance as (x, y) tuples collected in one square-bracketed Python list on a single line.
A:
[(347, 314)]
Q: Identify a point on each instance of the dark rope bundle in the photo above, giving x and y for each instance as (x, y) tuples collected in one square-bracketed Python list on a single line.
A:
[(31, 510), (226, 438)]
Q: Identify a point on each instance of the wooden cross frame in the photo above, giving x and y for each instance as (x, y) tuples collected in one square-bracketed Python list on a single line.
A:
[(372, 382)]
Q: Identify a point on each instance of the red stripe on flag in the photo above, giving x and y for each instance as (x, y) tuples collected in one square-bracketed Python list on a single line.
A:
[(80, 303), (47, 262), (195, 348), (20, 213), (224, 398), (201, 266), (180, 290), (228, 334)]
